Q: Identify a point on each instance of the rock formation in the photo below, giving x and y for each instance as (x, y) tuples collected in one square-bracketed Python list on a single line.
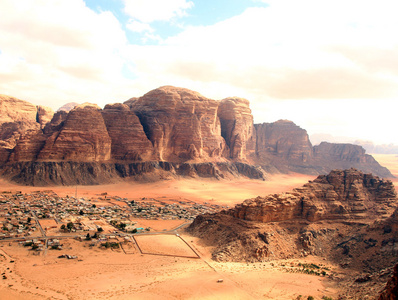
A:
[(18, 116), (83, 137), (181, 124), (237, 128), (172, 125), (347, 217), (390, 292), (339, 155), (282, 145), (129, 141), (44, 115), (339, 195)]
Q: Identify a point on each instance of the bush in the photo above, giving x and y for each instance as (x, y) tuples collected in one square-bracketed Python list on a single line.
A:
[(112, 245)]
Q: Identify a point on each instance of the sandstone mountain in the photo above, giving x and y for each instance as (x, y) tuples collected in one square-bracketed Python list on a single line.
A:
[(18, 116), (168, 125)]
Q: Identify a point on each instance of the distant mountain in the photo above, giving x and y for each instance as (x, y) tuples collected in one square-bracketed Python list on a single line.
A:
[(369, 146), (68, 106), (169, 132)]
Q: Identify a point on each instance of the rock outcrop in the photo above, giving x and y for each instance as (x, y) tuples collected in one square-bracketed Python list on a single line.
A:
[(129, 141), (346, 217), (173, 125), (390, 292), (44, 173), (283, 146), (68, 107), (44, 115), (181, 124), (348, 194), (17, 117), (329, 155), (83, 137), (237, 128)]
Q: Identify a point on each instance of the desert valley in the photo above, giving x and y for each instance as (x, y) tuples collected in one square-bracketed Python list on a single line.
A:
[(176, 196)]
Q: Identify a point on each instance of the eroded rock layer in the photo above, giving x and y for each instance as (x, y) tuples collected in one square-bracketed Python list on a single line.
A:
[(181, 124), (339, 195), (237, 128), (83, 137), (42, 173), (168, 124), (17, 117)]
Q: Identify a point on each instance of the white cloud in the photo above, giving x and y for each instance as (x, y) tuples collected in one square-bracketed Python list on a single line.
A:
[(311, 49), (313, 52), (292, 56), (147, 11), (137, 26), (58, 51)]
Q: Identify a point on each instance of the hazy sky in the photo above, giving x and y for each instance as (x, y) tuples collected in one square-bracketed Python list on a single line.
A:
[(329, 66)]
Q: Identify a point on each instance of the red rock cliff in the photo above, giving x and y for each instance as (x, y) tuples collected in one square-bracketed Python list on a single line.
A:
[(83, 137), (237, 127), (181, 124), (338, 195), (129, 142)]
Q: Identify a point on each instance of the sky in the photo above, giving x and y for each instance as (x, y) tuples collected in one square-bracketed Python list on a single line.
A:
[(329, 66)]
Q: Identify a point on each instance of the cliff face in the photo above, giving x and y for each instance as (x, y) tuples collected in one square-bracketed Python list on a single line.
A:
[(284, 139), (340, 155), (237, 128), (83, 137), (44, 173), (168, 124), (129, 141), (180, 124), (17, 117)]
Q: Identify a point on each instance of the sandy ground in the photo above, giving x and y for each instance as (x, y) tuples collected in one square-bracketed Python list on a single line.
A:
[(222, 192), (126, 273), (112, 274), (391, 162)]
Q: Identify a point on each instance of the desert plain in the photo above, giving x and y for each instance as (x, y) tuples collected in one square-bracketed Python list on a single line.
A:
[(166, 262)]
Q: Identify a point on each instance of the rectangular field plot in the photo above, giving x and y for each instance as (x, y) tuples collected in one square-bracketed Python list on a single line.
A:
[(168, 245)]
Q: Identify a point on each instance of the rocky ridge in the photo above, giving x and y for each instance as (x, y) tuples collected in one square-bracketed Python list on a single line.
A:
[(342, 194), (168, 124), (346, 217)]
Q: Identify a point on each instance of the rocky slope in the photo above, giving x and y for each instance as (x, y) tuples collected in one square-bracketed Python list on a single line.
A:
[(168, 124), (348, 194), (390, 292), (43, 173), (341, 196), (346, 217)]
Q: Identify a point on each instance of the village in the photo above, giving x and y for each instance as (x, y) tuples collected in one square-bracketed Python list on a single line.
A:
[(40, 220)]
